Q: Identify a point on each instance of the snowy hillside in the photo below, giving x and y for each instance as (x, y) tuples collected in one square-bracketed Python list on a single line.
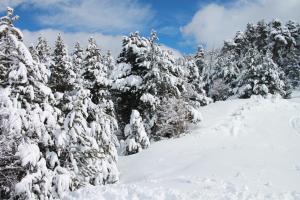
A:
[(73, 119), (244, 149)]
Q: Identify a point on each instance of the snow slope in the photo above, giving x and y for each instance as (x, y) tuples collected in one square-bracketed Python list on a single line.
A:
[(244, 149)]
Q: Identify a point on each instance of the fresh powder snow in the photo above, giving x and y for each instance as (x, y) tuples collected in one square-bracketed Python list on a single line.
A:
[(249, 150)]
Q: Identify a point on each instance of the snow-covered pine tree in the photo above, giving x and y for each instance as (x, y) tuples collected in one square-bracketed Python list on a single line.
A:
[(194, 83), (273, 37), (96, 78), (136, 136), (280, 40), (43, 68), (62, 74), (92, 63), (43, 51), (127, 76), (289, 57), (145, 75), (34, 53), (291, 62), (199, 59), (263, 36), (294, 29), (210, 60), (27, 121), (92, 154), (260, 76), (160, 80), (250, 36), (41, 54), (224, 77), (77, 60), (96, 73), (10, 137), (109, 62)]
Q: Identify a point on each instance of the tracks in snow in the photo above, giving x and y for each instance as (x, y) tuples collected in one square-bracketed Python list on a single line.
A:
[(233, 124)]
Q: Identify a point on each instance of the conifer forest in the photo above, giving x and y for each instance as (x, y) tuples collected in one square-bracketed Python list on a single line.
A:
[(77, 122)]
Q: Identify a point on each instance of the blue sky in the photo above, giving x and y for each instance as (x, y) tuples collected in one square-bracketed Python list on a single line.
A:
[(181, 24)]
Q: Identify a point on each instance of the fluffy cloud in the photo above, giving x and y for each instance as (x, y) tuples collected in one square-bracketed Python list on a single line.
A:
[(107, 16), (214, 23), (37, 3), (105, 42), (100, 15), (77, 19)]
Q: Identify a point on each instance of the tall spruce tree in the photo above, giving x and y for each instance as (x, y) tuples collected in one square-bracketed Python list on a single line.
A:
[(92, 153), (77, 60), (199, 59), (43, 50), (28, 122), (96, 73), (62, 74), (146, 74)]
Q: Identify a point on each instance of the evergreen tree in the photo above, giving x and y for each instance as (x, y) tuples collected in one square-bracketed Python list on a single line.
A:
[(62, 74), (194, 84), (261, 76), (43, 51), (128, 76), (291, 67), (92, 62), (110, 62), (44, 72), (77, 60), (281, 39), (11, 118), (96, 73), (135, 133), (28, 122), (250, 36), (91, 147), (199, 59), (224, 77), (145, 75), (263, 36), (283, 43)]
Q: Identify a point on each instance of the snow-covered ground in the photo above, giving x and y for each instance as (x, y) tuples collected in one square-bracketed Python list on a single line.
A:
[(244, 149)]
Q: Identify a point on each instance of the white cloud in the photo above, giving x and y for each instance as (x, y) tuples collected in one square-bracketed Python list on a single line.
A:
[(77, 20), (103, 15), (214, 23), (105, 42), (109, 16), (38, 3)]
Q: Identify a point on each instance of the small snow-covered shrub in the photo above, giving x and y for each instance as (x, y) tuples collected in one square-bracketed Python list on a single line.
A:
[(135, 133)]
